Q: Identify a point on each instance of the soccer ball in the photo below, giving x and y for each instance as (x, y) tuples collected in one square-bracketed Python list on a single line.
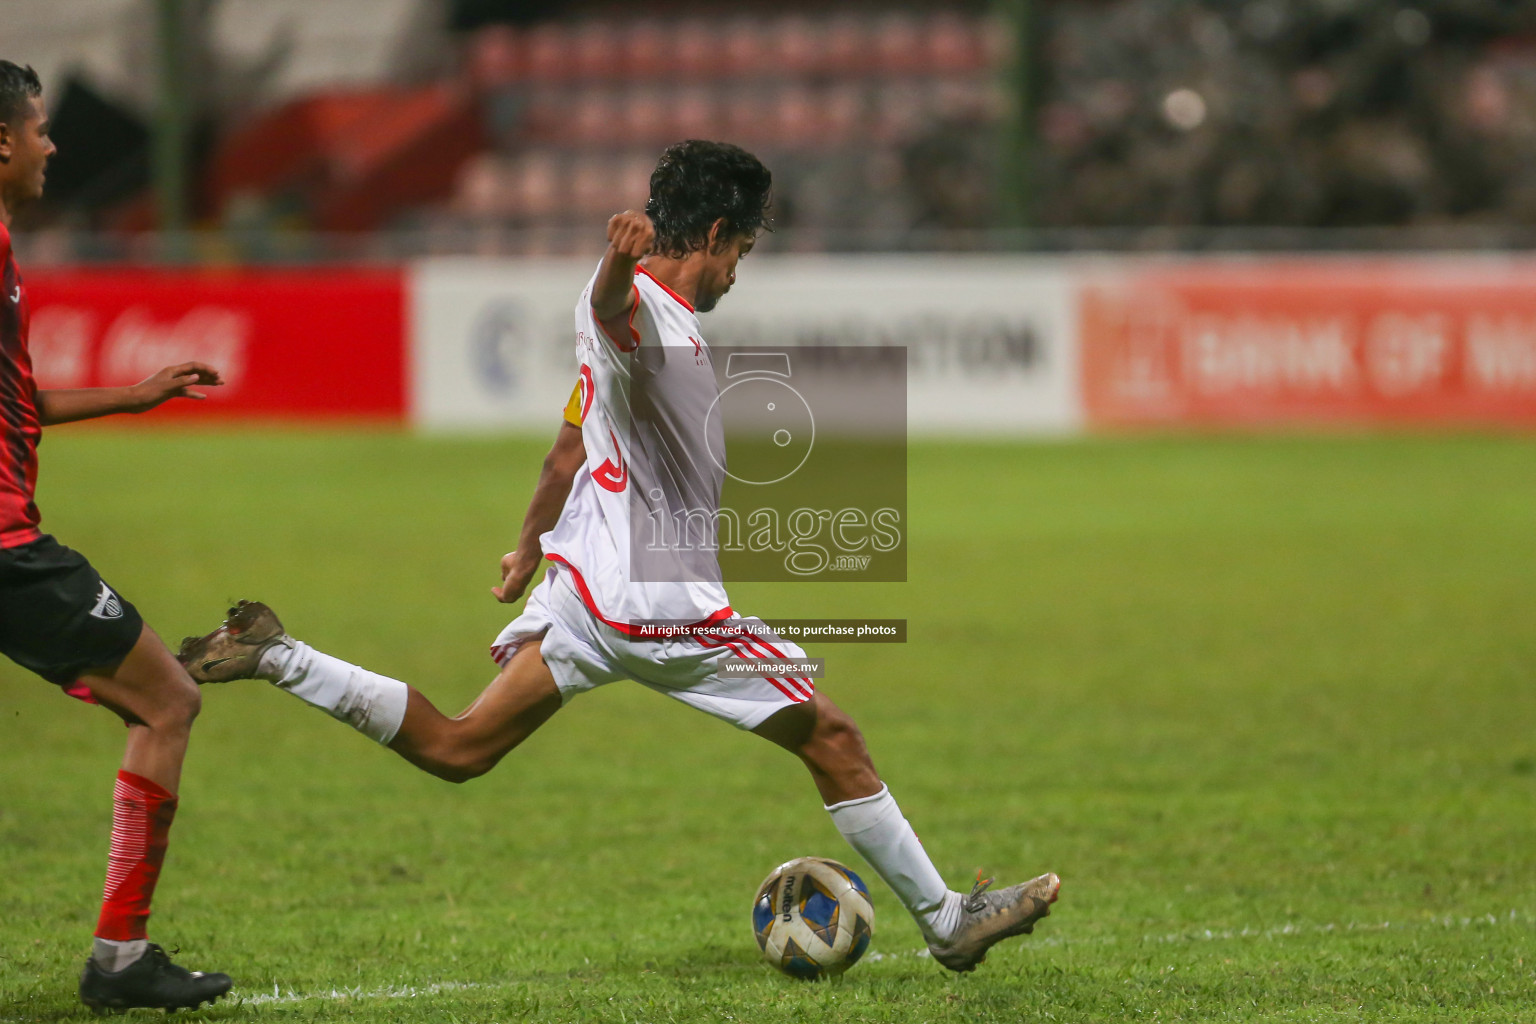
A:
[(813, 918)]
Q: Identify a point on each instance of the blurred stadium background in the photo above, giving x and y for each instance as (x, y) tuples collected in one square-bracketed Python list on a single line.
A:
[(1102, 178), (1265, 702), (283, 129), (289, 129)]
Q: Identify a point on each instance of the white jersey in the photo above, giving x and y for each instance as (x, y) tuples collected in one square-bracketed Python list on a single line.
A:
[(637, 532), (647, 404)]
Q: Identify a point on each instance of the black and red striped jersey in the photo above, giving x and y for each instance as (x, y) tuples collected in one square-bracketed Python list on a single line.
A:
[(19, 426)]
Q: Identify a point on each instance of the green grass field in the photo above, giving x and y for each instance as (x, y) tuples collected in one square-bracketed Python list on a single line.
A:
[(1266, 704)]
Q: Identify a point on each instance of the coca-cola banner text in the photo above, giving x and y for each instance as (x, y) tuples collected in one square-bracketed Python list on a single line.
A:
[(1347, 341), (291, 343)]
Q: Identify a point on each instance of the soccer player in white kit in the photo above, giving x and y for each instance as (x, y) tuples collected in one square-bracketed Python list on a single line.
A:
[(645, 390)]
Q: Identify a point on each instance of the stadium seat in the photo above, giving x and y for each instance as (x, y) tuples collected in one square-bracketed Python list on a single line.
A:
[(597, 51), (742, 53), (845, 113), (635, 180), (593, 188), (899, 45), (694, 114), (494, 57), (594, 118), (536, 186), (549, 54), (954, 45), (748, 116), (697, 50), (480, 189), (644, 118), (797, 122), (797, 46), (647, 49), (845, 45)]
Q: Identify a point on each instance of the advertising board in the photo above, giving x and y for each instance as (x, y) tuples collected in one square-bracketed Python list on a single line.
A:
[(289, 343), (988, 341), (1318, 341)]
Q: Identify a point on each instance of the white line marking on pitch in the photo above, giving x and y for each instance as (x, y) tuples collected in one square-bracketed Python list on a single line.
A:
[(1202, 935), (277, 997)]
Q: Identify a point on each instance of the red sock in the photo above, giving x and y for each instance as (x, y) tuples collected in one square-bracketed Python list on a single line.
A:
[(141, 828)]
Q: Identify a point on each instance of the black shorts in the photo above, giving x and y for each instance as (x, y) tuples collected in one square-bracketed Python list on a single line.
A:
[(58, 617)]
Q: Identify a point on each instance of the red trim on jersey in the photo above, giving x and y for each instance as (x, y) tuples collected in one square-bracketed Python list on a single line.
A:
[(627, 629), (752, 640), (804, 683), (715, 642), (805, 689), (771, 649), (686, 304), (634, 335), (757, 643)]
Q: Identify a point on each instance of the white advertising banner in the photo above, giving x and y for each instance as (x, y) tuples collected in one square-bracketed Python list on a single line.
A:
[(991, 342), (493, 342)]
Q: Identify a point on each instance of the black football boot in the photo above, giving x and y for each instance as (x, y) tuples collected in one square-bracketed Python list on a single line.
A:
[(150, 981)]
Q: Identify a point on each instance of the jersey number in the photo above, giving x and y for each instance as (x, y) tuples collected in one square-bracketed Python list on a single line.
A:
[(584, 383), (610, 477)]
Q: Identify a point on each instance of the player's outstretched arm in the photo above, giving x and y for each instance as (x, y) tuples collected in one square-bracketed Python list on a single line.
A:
[(65, 405), (560, 467), (630, 237)]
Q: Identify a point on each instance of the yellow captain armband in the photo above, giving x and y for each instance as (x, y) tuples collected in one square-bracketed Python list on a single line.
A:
[(573, 407)]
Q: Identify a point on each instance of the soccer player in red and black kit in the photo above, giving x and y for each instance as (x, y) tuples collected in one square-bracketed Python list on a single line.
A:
[(59, 619)]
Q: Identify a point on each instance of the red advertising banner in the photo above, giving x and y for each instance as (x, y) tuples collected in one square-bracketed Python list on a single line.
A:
[(289, 343), (1290, 341)]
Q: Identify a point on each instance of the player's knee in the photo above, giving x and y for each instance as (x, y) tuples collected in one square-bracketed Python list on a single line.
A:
[(460, 769), (177, 705), (451, 772), (838, 731), (836, 741), (457, 761)]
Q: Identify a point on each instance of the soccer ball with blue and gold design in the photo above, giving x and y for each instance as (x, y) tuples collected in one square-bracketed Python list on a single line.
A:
[(812, 918)]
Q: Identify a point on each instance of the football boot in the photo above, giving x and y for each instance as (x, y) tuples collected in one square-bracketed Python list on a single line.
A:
[(234, 650), (986, 918), (150, 981)]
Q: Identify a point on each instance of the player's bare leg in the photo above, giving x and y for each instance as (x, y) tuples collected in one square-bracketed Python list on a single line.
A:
[(153, 694), (251, 644), (159, 702), (959, 929), (826, 739), (522, 697)]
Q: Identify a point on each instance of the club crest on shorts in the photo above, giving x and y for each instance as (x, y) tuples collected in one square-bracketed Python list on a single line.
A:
[(108, 604)]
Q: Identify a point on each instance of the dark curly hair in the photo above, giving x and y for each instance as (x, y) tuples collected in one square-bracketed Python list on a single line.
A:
[(695, 184), (17, 85)]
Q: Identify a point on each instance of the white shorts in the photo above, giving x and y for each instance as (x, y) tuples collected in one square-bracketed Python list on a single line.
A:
[(584, 653)]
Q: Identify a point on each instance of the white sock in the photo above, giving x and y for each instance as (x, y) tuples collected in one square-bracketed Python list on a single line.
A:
[(874, 826), (372, 704), (113, 955)]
